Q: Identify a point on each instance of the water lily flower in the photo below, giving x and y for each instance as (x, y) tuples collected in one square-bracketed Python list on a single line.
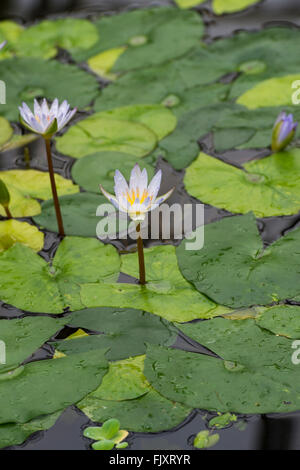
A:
[(283, 131), (45, 120), (137, 198), (2, 44)]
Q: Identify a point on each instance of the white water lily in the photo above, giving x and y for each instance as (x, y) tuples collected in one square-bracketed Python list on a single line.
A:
[(46, 120), (137, 198)]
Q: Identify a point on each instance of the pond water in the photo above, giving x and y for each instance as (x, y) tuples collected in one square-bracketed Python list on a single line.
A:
[(272, 431)]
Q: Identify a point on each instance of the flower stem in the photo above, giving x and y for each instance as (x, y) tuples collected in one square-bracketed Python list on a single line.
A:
[(141, 255), (27, 157), (7, 211), (54, 190)]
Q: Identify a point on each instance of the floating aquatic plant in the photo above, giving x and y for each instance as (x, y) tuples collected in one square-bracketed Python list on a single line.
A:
[(107, 436), (283, 131), (46, 122), (136, 200), (205, 439)]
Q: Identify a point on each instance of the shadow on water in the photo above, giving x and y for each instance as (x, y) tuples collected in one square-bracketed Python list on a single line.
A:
[(249, 432)]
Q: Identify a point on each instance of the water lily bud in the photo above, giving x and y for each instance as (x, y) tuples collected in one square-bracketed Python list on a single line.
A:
[(283, 131)]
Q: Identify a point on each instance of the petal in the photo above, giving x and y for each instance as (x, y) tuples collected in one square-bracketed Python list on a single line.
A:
[(36, 108), (281, 116), (154, 185), (285, 130), (109, 196), (66, 119), (163, 198), (44, 107), (54, 107), (135, 177), (121, 186)]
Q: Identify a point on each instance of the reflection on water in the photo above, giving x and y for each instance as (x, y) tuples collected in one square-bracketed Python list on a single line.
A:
[(252, 432)]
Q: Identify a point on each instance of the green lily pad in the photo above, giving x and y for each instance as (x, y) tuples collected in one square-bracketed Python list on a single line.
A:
[(22, 337), (268, 186), (181, 147), (124, 381), (233, 269), (124, 331), (148, 413), (10, 32), (6, 131), (156, 117), (238, 127), (136, 411), (13, 231), (78, 212), (166, 293), (149, 35), (230, 6), (23, 185), (14, 434), (76, 261), (272, 92), (255, 374), (43, 39), (283, 320), (165, 84), (44, 387), (91, 171), (99, 134), (30, 78)]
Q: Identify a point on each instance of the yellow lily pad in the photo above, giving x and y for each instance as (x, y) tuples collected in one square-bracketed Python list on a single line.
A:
[(272, 92), (24, 185), (14, 231), (183, 4), (230, 6), (10, 32), (102, 63), (6, 131)]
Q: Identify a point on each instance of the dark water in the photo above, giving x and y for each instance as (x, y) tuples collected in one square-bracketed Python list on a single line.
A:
[(251, 432)]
